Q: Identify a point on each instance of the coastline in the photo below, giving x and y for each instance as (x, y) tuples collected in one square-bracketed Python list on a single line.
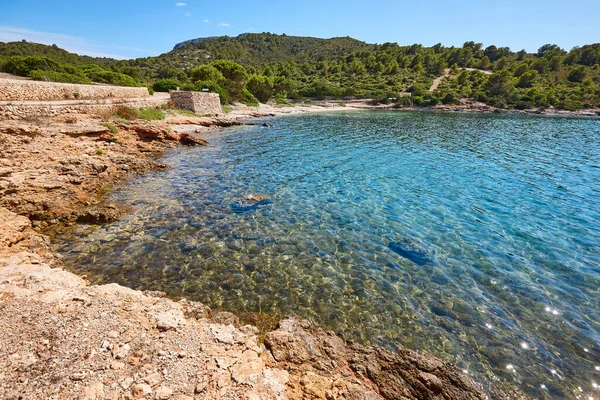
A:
[(69, 339), (464, 106)]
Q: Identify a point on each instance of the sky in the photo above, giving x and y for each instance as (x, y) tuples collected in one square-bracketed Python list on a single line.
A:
[(131, 29)]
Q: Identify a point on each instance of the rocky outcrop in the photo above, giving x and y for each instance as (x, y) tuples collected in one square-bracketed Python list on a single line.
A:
[(162, 131), (51, 172), (323, 366), (205, 121)]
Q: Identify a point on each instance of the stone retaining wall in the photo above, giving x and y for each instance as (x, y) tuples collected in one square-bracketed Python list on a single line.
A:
[(198, 102), (26, 111), (23, 90)]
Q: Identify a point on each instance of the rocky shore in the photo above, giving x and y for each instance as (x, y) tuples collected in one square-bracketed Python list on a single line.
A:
[(66, 339), (465, 106)]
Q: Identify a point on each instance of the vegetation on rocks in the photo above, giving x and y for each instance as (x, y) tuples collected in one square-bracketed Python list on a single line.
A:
[(262, 67)]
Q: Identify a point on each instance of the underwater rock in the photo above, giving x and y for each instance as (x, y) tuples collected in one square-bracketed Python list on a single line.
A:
[(410, 250), (250, 203)]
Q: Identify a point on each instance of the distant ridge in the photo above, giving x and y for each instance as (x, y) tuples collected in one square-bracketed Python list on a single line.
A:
[(201, 40), (259, 48)]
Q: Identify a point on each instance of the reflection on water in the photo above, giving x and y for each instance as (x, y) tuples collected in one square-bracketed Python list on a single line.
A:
[(474, 237)]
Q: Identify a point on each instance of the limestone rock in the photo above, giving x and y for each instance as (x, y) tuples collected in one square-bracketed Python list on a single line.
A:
[(163, 393), (94, 392), (153, 379), (189, 140), (168, 320), (141, 391), (248, 369)]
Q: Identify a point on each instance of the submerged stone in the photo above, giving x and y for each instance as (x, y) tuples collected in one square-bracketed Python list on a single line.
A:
[(249, 205), (404, 249)]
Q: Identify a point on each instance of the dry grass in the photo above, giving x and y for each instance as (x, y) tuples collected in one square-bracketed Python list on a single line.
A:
[(105, 114)]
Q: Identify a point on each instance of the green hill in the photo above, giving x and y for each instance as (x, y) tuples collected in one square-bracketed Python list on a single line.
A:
[(282, 67)]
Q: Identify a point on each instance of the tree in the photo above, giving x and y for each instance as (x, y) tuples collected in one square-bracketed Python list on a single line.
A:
[(261, 87), (230, 70), (206, 73), (546, 48), (499, 83), (526, 80), (235, 78), (164, 85), (577, 74)]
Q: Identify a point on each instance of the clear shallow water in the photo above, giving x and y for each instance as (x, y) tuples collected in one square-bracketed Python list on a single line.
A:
[(473, 237)]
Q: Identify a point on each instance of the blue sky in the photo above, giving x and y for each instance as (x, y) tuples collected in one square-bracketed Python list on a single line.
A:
[(129, 29)]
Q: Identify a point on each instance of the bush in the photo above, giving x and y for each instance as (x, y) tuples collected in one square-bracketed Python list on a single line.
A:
[(320, 89), (150, 114), (164, 85), (206, 73), (261, 87), (230, 70), (113, 129), (110, 77), (23, 66), (126, 112), (577, 74), (53, 76), (418, 89), (449, 98), (249, 99)]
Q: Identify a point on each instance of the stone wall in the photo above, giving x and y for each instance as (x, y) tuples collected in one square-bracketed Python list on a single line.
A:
[(33, 110), (24, 90), (198, 102)]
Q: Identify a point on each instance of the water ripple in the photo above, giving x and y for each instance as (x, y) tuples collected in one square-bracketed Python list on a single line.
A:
[(472, 236)]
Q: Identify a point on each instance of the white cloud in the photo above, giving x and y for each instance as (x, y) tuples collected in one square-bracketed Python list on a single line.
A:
[(181, 4), (73, 44), (224, 24), (206, 21), (188, 14)]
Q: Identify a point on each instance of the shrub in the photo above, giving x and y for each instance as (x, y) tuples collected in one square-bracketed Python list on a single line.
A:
[(150, 114), (113, 78), (105, 114), (261, 87), (449, 98), (23, 66), (164, 85), (126, 112), (577, 74), (230, 70), (249, 99), (53, 76), (418, 89), (320, 89), (206, 73), (113, 129)]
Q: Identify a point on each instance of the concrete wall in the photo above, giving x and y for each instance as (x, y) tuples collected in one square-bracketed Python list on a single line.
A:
[(35, 109), (23, 90), (198, 102)]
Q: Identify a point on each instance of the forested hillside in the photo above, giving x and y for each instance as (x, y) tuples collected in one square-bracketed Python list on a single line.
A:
[(279, 67)]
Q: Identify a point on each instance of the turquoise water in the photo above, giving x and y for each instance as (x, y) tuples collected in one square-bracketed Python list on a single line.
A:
[(473, 237)]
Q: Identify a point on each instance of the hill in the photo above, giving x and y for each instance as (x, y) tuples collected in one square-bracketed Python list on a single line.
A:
[(253, 49), (291, 67)]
